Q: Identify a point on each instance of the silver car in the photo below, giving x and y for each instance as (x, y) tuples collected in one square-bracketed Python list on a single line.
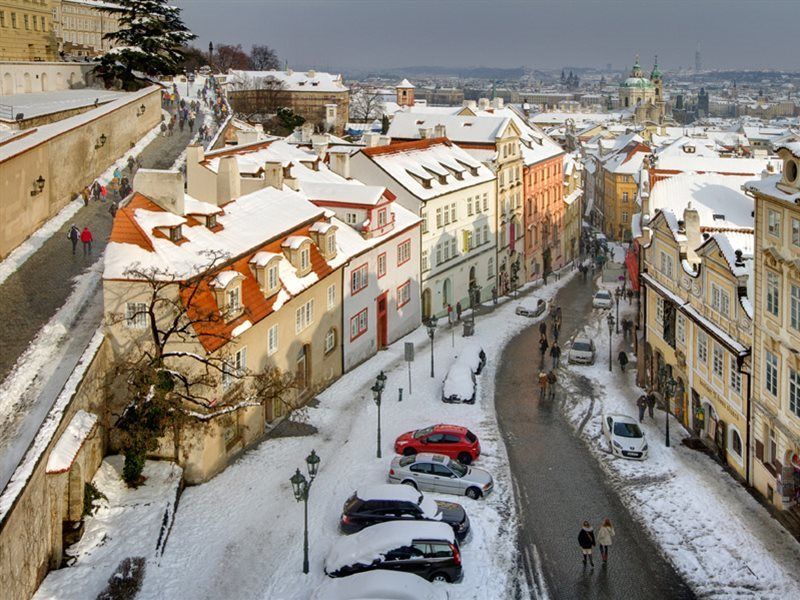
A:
[(582, 351), (531, 307), (439, 473)]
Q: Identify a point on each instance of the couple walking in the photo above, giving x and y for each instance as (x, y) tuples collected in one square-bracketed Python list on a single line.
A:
[(85, 237), (587, 541)]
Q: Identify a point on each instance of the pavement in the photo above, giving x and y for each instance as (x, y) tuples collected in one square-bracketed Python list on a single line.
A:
[(559, 483)]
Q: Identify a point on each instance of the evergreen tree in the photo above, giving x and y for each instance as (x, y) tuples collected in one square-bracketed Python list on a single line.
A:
[(563, 77), (148, 44)]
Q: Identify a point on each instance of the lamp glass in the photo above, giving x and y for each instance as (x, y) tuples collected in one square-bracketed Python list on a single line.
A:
[(312, 460), (376, 392), (298, 485)]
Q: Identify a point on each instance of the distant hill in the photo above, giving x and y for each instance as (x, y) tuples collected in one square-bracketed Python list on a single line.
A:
[(436, 71)]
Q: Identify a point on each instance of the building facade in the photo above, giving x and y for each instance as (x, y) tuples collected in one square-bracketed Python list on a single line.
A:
[(27, 30), (80, 25)]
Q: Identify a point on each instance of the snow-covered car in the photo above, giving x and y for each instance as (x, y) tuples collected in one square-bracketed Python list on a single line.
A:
[(582, 351), (531, 307), (473, 356), (380, 585), (625, 437), (424, 548), (602, 299), (438, 473), (459, 385)]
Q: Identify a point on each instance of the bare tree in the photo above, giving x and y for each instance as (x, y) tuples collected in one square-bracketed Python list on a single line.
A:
[(366, 105), (231, 57), (264, 58)]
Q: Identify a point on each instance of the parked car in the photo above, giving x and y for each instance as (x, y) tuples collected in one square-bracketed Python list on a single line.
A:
[(459, 385), (380, 585), (427, 549), (582, 351), (625, 437), (473, 356), (531, 307), (602, 299), (438, 473), (451, 440), (383, 502)]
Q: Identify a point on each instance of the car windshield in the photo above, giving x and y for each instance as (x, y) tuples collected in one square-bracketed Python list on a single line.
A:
[(407, 460), (420, 432), (582, 346), (603, 295), (471, 437), (457, 468), (628, 430)]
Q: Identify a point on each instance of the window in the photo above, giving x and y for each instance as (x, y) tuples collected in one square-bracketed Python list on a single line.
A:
[(331, 296), (358, 325), (272, 277), (330, 340), (666, 264), (424, 260), (796, 232), (794, 307), (736, 443), (680, 328), (453, 249), (25, 19), (466, 241), (404, 294), (771, 373), (485, 201), (305, 258), (702, 347), (439, 222), (773, 294), (424, 217), (438, 254), (136, 315), (175, 234), (331, 244), (718, 361), (659, 310), (403, 252), (453, 212), (358, 279), (490, 267), (351, 218), (14, 20), (381, 217), (774, 223), (469, 207), (303, 316), (736, 377), (2, 18), (234, 302), (794, 392), (234, 368), (624, 197), (272, 340), (720, 301)]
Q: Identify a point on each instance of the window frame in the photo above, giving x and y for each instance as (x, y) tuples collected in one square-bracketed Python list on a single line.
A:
[(774, 219), (794, 393), (272, 339), (359, 319), (404, 289), (135, 311), (360, 273), (702, 348), (773, 293), (330, 347), (381, 265), (771, 369), (330, 296), (403, 252), (304, 316)]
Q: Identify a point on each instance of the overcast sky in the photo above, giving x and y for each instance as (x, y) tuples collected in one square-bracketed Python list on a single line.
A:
[(505, 33)]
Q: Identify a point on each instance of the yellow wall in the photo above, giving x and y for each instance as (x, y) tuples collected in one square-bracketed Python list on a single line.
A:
[(26, 30)]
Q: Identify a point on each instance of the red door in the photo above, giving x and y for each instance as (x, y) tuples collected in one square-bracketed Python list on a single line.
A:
[(381, 310)]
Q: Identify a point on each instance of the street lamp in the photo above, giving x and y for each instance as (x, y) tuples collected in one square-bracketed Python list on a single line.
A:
[(610, 321), (377, 392), (430, 323), (301, 488), (667, 388), (617, 295)]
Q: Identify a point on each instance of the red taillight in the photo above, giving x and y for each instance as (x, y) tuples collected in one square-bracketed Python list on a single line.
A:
[(345, 519), (456, 554), (391, 471)]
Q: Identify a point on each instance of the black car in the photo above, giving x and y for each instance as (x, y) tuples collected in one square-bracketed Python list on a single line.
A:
[(425, 548), (386, 502)]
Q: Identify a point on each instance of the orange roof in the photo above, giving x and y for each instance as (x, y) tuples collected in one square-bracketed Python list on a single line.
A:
[(404, 146), (126, 230)]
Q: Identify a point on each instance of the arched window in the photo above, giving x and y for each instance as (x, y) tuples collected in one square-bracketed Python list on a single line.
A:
[(735, 442), (330, 340)]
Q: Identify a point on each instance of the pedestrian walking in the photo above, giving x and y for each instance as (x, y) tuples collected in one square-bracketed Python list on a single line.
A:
[(494, 295), (103, 193), (86, 238), (170, 126), (85, 196), (587, 543), (73, 236), (623, 360), (542, 329), (551, 384), (543, 345), (651, 404), (542, 384), (113, 209), (605, 538), (449, 314), (458, 310), (641, 404), (555, 353), (556, 330)]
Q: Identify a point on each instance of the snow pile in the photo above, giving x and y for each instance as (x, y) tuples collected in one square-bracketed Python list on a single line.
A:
[(71, 441)]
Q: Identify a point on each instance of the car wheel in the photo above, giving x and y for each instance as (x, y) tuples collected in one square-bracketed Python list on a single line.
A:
[(409, 482), (409, 452), (440, 577), (464, 458), (473, 493)]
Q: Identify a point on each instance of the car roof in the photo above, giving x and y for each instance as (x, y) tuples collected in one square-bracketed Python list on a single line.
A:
[(604, 292), (623, 419), (582, 339), (444, 427), (387, 491), (430, 457)]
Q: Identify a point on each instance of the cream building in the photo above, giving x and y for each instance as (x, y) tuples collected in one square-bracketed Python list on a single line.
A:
[(776, 365), (27, 31), (573, 208), (80, 25)]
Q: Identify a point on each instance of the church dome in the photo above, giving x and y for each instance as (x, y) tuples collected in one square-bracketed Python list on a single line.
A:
[(636, 82)]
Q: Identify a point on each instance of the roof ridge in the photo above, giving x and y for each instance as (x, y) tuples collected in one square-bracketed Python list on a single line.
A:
[(405, 146)]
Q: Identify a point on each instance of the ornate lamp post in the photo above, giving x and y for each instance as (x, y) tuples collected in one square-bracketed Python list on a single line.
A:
[(430, 323), (301, 487), (617, 296), (667, 389), (377, 392), (610, 321)]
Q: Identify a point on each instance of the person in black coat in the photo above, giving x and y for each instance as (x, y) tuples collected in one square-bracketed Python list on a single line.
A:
[(623, 359), (543, 346), (555, 354), (587, 542)]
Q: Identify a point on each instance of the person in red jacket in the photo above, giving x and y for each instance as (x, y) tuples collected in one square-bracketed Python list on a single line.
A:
[(86, 238)]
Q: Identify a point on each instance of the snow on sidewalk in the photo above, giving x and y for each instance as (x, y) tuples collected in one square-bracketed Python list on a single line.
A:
[(247, 528), (128, 523), (720, 539)]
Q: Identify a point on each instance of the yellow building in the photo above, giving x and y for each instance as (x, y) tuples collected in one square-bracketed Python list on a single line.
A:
[(620, 174), (776, 362), (26, 30), (80, 25)]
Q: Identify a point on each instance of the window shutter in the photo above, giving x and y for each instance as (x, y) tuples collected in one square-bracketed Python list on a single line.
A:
[(759, 451)]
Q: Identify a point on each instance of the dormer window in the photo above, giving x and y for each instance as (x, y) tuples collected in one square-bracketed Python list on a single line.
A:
[(272, 278), (331, 244), (305, 258), (382, 217), (175, 233), (234, 303), (211, 221)]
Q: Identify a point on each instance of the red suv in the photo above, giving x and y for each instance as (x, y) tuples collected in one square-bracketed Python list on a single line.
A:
[(451, 440)]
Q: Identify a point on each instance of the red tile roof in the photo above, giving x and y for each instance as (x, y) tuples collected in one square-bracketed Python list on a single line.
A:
[(405, 146)]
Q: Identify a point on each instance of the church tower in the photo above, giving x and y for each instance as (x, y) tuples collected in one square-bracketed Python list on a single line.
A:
[(657, 78), (405, 93)]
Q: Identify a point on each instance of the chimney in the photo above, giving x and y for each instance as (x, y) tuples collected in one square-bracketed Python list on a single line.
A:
[(311, 73), (319, 143), (440, 130), (497, 102), (483, 103), (371, 139), (229, 183), (425, 132), (306, 131), (195, 154), (289, 72), (165, 188), (384, 140), (273, 174), (691, 223), (340, 163)]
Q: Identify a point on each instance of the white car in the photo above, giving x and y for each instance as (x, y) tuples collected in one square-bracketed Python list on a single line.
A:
[(473, 356), (459, 385), (625, 437), (582, 351), (532, 307), (602, 299), (380, 585)]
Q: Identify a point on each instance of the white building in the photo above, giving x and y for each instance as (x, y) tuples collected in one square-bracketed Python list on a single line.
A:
[(454, 194)]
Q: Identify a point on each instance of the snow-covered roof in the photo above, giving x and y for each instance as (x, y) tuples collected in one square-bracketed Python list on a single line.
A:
[(535, 144), (345, 192), (295, 241), (71, 441), (193, 206), (793, 147), (405, 84), (292, 81), (768, 186), (711, 164), (411, 163), (224, 278), (374, 542), (461, 129)]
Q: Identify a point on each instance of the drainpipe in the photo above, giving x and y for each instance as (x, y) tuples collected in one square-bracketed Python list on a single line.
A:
[(748, 432)]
